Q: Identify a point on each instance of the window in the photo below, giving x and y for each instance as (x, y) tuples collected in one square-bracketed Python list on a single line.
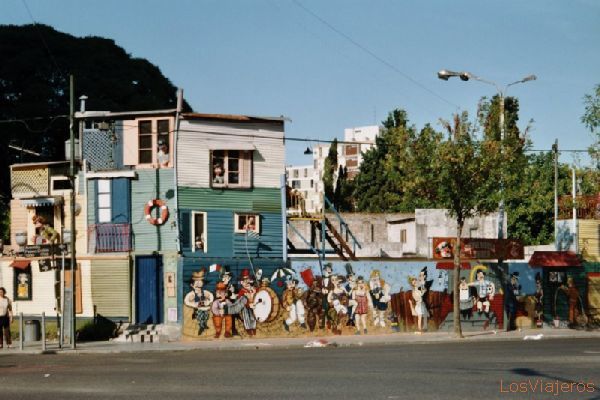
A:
[(22, 283), (295, 184), (162, 154), (145, 142), (316, 164), (306, 172), (104, 201), (231, 168), (473, 232), (312, 183), (247, 222), (199, 232), (295, 173), (403, 236)]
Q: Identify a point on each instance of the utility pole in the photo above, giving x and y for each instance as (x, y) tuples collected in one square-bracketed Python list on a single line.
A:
[(555, 151), (73, 232)]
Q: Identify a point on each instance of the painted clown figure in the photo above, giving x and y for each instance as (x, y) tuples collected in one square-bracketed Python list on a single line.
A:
[(292, 303), (380, 297)]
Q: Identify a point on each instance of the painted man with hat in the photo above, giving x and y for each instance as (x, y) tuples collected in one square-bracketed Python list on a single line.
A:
[(219, 313), (200, 300), (243, 304)]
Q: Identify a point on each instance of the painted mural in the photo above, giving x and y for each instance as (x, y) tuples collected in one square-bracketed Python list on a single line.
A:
[(366, 297)]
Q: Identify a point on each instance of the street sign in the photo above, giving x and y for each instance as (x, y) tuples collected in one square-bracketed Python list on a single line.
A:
[(40, 250), (478, 249)]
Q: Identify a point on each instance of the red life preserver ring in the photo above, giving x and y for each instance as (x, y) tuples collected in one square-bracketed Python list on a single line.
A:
[(164, 212)]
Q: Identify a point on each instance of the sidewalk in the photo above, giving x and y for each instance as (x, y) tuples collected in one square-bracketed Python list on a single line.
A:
[(297, 342)]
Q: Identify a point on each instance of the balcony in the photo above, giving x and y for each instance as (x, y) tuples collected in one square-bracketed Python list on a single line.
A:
[(109, 238)]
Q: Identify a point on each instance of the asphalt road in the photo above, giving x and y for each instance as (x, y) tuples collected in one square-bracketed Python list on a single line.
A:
[(480, 370)]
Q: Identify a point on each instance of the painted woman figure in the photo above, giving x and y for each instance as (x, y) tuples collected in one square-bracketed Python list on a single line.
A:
[(244, 303), (360, 295), (417, 304), (337, 299), (466, 300)]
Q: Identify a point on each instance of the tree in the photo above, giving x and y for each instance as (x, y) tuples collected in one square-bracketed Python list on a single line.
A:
[(329, 168), (464, 172), (380, 185), (591, 119), (34, 82), (343, 195)]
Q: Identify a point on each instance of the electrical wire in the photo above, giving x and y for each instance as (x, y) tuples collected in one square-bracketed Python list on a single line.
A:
[(373, 55)]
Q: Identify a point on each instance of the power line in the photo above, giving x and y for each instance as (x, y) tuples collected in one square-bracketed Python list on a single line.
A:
[(35, 24), (373, 55)]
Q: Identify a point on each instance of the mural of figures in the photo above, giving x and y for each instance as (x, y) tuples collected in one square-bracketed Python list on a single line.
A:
[(364, 297), (200, 300)]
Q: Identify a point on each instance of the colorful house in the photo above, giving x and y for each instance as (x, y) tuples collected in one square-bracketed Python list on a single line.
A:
[(131, 233), (230, 194)]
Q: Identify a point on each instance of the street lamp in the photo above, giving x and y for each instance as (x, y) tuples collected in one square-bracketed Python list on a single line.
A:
[(466, 76)]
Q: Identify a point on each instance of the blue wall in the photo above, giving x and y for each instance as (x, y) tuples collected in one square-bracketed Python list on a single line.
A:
[(222, 241)]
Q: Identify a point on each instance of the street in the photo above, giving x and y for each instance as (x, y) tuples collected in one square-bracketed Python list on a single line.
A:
[(470, 370)]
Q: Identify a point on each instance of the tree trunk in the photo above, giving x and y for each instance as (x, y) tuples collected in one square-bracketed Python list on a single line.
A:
[(456, 280)]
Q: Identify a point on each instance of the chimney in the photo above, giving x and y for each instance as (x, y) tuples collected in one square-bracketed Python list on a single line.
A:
[(82, 106)]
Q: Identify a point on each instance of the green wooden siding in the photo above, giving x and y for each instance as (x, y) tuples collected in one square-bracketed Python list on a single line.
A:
[(255, 200), (111, 292), (152, 184)]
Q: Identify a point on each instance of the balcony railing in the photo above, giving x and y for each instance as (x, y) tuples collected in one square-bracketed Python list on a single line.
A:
[(109, 238)]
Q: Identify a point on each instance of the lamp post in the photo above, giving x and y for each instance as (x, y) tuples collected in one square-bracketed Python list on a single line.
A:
[(466, 76), (64, 249)]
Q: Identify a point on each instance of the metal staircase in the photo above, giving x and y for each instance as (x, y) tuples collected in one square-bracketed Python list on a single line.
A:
[(333, 230)]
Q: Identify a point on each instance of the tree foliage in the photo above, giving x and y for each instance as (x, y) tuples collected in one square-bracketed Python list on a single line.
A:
[(591, 119), (34, 82), (329, 168)]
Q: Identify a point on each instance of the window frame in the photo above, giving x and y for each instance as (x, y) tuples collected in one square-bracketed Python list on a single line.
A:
[(204, 232), (236, 222), (104, 193), (243, 181), (403, 236), (150, 134)]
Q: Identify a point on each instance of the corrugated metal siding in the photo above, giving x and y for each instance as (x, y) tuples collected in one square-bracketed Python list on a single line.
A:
[(194, 154), (91, 201), (236, 266), (222, 241), (110, 283), (269, 244), (148, 237), (589, 239), (18, 220), (255, 200)]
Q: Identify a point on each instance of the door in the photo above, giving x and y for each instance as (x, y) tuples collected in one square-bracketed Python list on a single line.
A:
[(148, 289)]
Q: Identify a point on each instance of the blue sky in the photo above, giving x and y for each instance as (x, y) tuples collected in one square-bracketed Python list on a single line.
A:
[(272, 57)]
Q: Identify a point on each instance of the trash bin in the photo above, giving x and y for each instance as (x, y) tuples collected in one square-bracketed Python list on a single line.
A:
[(32, 331)]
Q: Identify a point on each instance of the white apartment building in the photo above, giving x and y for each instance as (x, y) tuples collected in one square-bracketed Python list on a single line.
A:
[(302, 179), (309, 179)]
